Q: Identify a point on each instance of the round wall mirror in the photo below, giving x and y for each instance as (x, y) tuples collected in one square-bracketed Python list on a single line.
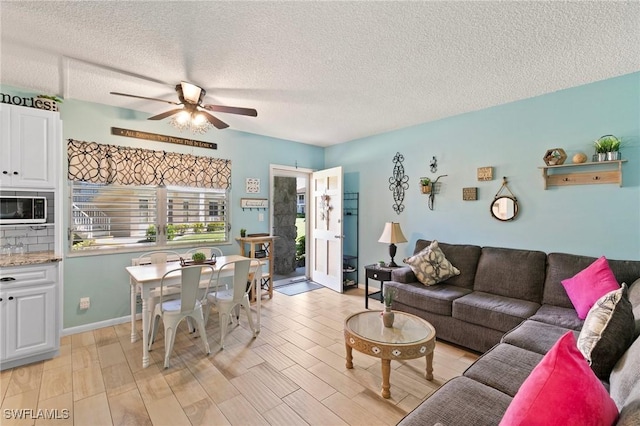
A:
[(504, 208)]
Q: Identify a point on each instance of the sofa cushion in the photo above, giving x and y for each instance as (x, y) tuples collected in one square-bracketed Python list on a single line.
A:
[(460, 401), (431, 265), (625, 375), (511, 273), (535, 336), (556, 315), (607, 332), (437, 298), (562, 266), (564, 381), (505, 367), (492, 311), (634, 298), (589, 285)]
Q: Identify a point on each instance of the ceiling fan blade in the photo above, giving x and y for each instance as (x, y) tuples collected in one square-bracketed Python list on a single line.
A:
[(165, 114), (144, 97), (232, 110), (219, 124)]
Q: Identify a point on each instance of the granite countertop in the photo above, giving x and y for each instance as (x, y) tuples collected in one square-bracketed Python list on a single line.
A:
[(29, 258)]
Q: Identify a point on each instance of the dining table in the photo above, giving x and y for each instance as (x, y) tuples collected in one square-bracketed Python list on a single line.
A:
[(145, 278)]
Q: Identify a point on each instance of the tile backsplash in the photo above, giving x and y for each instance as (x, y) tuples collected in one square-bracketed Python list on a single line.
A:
[(38, 237)]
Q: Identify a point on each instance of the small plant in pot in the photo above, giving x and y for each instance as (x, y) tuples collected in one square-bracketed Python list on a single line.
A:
[(388, 316), (198, 257), (607, 148), (425, 185), (243, 233)]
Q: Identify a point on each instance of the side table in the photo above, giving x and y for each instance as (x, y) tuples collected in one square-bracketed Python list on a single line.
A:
[(265, 243), (378, 273)]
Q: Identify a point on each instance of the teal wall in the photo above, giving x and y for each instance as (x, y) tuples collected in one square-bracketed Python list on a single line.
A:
[(592, 220)]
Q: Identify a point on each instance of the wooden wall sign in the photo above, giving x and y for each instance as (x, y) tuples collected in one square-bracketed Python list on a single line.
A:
[(254, 203), (469, 194), (161, 138), (485, 173)]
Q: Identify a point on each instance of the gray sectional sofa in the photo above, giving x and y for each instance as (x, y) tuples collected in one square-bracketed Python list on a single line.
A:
[(510, 305)]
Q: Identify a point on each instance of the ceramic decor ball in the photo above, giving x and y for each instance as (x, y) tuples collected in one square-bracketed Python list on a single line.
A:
[(580, 157)]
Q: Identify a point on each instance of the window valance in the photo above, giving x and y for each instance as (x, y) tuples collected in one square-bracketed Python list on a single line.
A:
[(112, 164)]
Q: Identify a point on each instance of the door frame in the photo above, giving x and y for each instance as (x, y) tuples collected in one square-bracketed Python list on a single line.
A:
[(276, 170)]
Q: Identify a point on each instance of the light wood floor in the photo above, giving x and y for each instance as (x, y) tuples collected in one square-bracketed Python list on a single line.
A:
[(292, 373)]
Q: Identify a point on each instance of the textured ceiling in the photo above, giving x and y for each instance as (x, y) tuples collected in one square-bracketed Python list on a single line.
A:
[(318, 72)]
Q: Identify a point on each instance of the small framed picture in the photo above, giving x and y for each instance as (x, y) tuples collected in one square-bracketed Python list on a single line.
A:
[(252, 186)]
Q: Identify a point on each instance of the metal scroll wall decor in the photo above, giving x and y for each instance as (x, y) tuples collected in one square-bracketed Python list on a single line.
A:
[(398, 183)]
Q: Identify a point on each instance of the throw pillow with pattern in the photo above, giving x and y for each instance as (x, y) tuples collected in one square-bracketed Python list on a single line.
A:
[(607, 332), (431, 266)]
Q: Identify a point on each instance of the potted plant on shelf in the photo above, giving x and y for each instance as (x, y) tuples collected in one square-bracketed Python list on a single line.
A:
[(607, 148), (387, 316), (425, 185), (243, 233)]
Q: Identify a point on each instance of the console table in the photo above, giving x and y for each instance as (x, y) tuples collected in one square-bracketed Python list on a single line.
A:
[(260, 247)]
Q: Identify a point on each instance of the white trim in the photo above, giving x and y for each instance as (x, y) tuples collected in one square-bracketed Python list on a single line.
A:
[(96, 325)]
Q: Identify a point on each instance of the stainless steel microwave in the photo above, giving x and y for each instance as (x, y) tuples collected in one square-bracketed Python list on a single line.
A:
[(18, 209)]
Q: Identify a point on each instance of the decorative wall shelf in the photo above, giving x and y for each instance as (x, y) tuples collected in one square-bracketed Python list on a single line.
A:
[(599, 172)]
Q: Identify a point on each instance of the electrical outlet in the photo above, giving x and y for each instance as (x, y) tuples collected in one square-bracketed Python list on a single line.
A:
[(85, 303)]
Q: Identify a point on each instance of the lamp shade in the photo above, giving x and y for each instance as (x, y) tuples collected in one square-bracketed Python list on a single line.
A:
[(392, 234)]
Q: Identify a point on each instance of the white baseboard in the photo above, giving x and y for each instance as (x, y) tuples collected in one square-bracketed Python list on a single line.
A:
[(97, 325)]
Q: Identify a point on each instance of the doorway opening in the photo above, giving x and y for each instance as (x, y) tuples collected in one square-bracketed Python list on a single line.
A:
[(289, 209)]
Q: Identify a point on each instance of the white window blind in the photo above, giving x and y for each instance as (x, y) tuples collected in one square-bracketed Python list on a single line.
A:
[(115, 216)]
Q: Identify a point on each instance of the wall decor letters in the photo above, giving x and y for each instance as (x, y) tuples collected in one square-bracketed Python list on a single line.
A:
[(116, 131)]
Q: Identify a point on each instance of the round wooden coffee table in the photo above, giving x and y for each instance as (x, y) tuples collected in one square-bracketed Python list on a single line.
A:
[(410, 337)]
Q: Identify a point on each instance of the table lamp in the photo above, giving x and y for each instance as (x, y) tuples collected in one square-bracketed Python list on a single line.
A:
[(392, 234)]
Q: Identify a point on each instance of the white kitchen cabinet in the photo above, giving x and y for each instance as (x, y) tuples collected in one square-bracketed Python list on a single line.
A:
[(29, 326), (29, 140)]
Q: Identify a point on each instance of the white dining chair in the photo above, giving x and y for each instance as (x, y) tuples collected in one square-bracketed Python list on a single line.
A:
[(229, 301), (189, 305), (152, 258)]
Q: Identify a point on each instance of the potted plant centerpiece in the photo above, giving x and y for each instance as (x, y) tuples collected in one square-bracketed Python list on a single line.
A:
[(198, 257), (387, 316), (425, 185)]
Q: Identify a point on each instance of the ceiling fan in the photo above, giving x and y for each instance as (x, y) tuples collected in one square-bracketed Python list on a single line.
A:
[(191, 97)]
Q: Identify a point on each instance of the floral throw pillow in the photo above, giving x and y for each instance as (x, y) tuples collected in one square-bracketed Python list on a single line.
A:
[(431, 266)]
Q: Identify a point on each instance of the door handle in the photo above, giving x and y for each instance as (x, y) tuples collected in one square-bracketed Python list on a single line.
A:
[(338, 236)]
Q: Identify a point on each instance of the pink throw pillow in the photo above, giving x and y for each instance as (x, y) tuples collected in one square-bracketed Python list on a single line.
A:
[(589, 285), (561, 390)]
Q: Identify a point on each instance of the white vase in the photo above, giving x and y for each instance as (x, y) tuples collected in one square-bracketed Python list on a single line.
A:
[(602, 156)]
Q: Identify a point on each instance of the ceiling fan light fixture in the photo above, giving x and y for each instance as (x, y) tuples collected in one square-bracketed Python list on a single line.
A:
[(191, 92), (198, 118), (195, 122), (183, 117)]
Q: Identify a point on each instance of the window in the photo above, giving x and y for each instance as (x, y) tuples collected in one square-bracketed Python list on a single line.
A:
[(114, 216)]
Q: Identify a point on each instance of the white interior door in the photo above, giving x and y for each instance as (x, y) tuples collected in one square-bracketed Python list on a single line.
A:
[(325, 222)]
